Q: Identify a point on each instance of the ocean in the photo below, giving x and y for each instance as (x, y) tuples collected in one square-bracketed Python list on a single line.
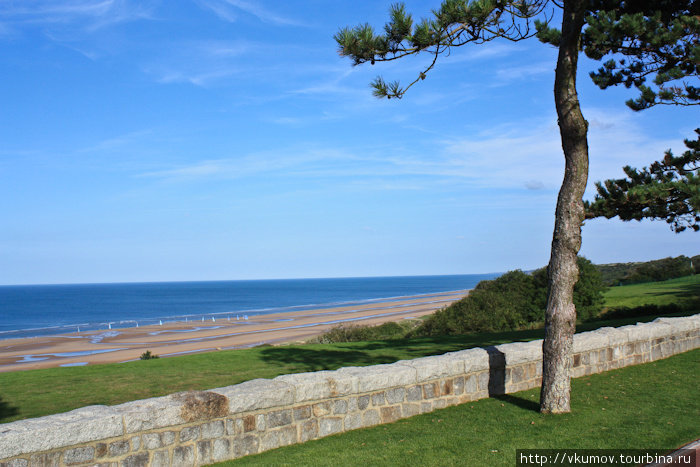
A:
[(40, 310)]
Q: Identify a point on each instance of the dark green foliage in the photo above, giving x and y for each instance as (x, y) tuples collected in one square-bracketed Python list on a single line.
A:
[(359, 333), (651, 271), (669, 189), (588, 291), (645, 39), (506, 303), (147, 355), (660, 270), (455, 23), (695, 263), (517, 300), (651, 44), (657, 38), (513, 301)]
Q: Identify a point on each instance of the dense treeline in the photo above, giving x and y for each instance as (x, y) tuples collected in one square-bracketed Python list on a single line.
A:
[(651, 271), (514, 300)]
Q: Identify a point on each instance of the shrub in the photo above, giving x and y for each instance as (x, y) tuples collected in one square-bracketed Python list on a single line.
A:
[(588, 291), (513, 301), (357, 333), (506, 303), (147, 355)]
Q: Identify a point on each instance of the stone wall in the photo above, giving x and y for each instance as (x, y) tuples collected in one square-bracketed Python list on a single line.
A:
[(198, 428)]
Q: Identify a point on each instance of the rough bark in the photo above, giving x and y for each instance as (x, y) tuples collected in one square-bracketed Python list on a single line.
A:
[(560, 317)]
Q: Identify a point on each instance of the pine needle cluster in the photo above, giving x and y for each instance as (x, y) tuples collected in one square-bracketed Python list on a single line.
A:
[(668, 189)]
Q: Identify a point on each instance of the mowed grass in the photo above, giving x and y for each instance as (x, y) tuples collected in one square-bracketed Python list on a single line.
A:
[(650, 406), (681, 291), (28, 394)]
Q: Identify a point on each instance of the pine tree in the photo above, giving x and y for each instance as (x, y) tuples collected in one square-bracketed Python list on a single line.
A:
[(668, 189), (650, 38), (661, 37), (646, 38)]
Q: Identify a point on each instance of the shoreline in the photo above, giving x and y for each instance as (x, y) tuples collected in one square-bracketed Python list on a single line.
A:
[(194, 318), (181, 338)]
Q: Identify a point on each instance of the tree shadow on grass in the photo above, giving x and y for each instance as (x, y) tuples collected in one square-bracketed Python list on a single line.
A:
[(305, 359), (425, 346), (519, 402), (7, 411), (332, 356), (683, 293), (497, 381)]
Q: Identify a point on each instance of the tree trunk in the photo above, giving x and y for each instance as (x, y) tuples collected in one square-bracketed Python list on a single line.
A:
[(562, 273)]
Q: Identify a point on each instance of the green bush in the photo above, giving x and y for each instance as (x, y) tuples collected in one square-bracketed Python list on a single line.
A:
[(588, 291), (357, 333), (147, 355), (502, 304), (513, 301)]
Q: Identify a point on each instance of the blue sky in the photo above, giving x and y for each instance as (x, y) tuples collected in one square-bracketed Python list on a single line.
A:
[(227, 139)]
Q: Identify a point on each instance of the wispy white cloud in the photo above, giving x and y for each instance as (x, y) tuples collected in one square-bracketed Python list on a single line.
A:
[(477, 53), (616, 139), (228, 10), (90, 14), (78, 25), (287, 121), (506, 76), (534, 185), (304, 120), (202, 62), (510, 156), (263, 14), (220, 8), (332, 83), (529, 154), (289, 163), (198, 78), (51, 11), (117, 142), (208, 63), (504, 160), (522, 156), (330, 87)]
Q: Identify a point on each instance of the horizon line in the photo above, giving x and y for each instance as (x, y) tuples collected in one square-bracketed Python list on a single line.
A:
[(186, 281)]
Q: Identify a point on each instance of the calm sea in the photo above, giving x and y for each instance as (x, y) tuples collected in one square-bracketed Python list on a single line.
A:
[(38, 310)]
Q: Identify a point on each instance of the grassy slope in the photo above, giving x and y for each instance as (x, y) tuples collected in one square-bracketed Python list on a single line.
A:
[(651, 406), (35, 393), (681, 290)]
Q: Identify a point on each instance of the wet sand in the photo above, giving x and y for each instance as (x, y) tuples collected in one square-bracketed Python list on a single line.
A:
[(178, 338)]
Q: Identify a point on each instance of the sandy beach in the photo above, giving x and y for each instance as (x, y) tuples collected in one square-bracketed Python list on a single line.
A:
[(178, 338)]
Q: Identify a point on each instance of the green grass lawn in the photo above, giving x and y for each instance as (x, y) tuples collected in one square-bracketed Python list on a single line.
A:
[(680, 291), (28, 394), (650, 406)]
